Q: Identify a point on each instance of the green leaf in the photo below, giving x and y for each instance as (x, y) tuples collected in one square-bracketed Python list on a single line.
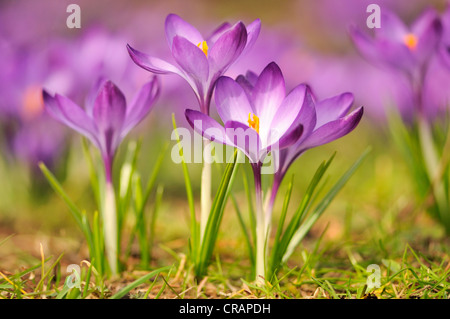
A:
[(215, 218), (82, 224), (320, 208), (138, 282), (194, 225)]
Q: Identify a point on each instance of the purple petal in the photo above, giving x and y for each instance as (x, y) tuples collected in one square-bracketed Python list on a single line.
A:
[(206, 126), (191, 59), (218, 32), (253, 30), (231, 101), (428, 29), (70, 114), (333, 108), (392, 27), (176, 26), (246, 139), (365, 45), (247, 82), (227, 48), (141, 105), (291, 137), (153, 64), (109, 114), (288, 112), (268, 95), (332, 130)]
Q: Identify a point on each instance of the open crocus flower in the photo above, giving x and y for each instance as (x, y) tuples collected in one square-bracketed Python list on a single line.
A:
[(201, 61), (107, 119), (257, 122), (264, 121), (399, 46)]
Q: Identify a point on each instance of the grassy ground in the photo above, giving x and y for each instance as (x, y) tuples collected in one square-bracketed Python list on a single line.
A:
[(374, 220)]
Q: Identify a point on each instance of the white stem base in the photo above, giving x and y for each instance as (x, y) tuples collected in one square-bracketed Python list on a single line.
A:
[(205, 189), (110, 227)]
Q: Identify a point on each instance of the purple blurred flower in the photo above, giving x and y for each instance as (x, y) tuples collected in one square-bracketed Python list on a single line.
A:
[(407, 52), (107, 119), (399, 46), (267, 116), (201, 61)]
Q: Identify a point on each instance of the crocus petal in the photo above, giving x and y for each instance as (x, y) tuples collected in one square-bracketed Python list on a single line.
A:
[(332, 130), (392, 27), (176, 26), (218, 32), (428, 29), (206, 126), (253, 30), (306, 116), (247, 82), (109, 114), (191, 59), (231, 101), (365, 45), (268, 94), (333, 108), (227, 49), (246, 139), (92, 95), (290, 138), (70, 114), (287, 113), (141, 105), (152, 64)]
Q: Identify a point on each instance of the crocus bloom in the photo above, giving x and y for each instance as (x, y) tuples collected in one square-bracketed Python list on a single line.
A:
[(107, 119), (267, 116), (399, 46), (105, 122), (265, 120), (201, 61)]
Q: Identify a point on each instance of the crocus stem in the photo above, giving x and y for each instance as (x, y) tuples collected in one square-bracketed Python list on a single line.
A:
[(260, 227), (205, 189), (110, 226), (432, 164)]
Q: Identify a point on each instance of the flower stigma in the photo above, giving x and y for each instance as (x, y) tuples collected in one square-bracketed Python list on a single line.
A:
[(410, 41), (204, 46), (254, 124)]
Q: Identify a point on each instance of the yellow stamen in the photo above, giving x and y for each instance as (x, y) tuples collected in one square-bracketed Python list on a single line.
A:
[(410, 41), (254, 124), (33, 103), (204, 46)]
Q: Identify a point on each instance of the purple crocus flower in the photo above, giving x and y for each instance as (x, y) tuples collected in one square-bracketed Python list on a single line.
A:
[(259, 121), (267, 116), (323, 122), (105, 122), (107, 119), (201, 61), (399, 46)]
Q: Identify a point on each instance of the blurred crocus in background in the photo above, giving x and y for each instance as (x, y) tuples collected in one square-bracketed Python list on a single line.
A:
[(105, 121), (415, 53)]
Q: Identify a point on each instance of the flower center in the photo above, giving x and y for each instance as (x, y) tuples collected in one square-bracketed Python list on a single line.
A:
[(204, 46), (254, 124), (410, 41), (33, 103)]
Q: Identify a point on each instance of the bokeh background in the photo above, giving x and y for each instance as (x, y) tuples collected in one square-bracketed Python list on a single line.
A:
[(309, 40)]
